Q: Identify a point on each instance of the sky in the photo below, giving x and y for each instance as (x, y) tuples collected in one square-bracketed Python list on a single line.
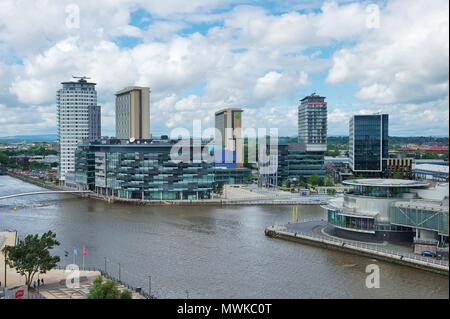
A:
[(199, 56)]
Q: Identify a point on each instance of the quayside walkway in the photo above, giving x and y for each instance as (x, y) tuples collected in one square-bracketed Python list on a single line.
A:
[(305, 232)]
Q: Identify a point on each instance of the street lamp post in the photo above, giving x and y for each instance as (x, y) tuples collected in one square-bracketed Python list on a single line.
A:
[(5, 271), (149, 286)]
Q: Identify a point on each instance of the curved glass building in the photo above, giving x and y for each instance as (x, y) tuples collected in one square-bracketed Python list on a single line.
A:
[(371, 208)]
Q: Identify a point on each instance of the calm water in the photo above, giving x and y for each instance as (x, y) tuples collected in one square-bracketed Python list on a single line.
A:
[(212, 252)]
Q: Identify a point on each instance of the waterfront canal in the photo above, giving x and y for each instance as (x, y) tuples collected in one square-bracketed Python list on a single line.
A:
[(206, 252)]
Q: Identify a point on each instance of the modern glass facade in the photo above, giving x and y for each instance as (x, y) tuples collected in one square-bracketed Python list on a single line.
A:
[(356, 223), (294, 162), (368, 142), (230, 176), (142, 171), (379, 191), (421, 215), (380, 206)]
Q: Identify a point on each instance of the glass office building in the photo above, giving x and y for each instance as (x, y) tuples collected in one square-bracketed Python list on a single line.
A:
[(295, 162), (144, 169), (369, 144), (232, 176)]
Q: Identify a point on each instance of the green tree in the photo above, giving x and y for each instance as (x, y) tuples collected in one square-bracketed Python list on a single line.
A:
[(397, 175), (328, 181), (218, 188), (315, 180), (32, 255), (107, 290), (4, 159)]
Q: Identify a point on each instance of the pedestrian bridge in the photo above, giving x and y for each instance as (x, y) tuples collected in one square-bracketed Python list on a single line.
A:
[(43, 193)]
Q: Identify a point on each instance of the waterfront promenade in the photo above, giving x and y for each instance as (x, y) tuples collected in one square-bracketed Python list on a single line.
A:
[(54, 276), (313, 232), (232, 195)]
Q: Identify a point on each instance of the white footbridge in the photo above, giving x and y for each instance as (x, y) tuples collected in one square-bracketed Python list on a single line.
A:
[(43, 193)]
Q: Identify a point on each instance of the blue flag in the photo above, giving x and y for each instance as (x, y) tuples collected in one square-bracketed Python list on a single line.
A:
[(75, 251)]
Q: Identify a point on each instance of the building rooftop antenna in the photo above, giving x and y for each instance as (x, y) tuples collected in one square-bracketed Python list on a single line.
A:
[(82, 78)]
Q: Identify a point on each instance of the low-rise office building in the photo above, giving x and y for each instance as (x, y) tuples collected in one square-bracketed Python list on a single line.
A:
[(232, 176), (289, 162), (376, 209), (142, 169), (431, 172), (399, 168), (295, 162)]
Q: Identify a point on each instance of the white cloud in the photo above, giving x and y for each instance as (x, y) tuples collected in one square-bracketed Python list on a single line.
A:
[(430, 118), (276, 84), (250, 57), (406, 60)]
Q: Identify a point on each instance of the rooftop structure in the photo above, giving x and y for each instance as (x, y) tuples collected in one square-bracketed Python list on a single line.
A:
[(386, 183)]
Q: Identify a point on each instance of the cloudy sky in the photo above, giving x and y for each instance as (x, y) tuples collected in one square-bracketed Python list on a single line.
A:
[(201, 55)]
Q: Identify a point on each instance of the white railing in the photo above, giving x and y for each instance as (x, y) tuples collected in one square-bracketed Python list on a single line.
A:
[(369, 247)]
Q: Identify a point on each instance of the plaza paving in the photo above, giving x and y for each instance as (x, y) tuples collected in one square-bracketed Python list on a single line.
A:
[(15, 279), (61, 291)]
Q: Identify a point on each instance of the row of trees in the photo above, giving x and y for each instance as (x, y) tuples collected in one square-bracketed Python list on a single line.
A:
[(311, 181)]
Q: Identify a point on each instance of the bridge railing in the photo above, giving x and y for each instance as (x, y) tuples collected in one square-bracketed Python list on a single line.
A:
[(43, 193)]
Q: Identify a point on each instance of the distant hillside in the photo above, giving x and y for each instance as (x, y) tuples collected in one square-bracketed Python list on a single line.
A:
[(420, 140), (393, 140), (28, 138)]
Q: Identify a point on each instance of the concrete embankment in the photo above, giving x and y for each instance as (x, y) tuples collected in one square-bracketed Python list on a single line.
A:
[(213, 202), (398, 258)]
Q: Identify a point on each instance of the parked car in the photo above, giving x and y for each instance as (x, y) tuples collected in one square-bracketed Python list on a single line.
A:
[(427, 253)]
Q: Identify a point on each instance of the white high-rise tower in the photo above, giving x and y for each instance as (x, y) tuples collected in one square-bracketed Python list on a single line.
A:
[(312, 123), (79, 119)]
